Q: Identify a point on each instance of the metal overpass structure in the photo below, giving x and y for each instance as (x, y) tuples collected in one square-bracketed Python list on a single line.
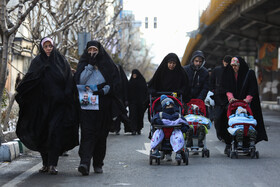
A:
[(248, 28)]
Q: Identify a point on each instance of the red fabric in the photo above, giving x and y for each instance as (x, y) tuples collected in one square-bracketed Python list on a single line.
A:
[(173, 98), (199, 103), (246, 127), (167, 132), (233, 106)]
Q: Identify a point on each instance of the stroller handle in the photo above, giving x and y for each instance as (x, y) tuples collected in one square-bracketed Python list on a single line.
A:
[(167, 126)]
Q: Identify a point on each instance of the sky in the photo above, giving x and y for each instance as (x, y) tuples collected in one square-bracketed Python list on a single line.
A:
[(174, 19)]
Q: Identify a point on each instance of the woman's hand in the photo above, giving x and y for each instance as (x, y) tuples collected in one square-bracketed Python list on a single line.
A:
[(232, 100)]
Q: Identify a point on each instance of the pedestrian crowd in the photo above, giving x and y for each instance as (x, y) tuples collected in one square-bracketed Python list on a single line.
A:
[(55, 101)]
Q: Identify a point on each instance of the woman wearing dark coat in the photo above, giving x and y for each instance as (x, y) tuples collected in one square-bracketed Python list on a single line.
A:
[(137, 96), (96, 68), (49, 107), (170, 77), (240, 83)]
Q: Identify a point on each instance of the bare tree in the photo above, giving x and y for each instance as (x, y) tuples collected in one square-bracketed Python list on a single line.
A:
[(10, 20)]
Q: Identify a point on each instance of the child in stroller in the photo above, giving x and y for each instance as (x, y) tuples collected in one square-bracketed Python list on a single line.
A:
[(199, 125), (242, 128), (168, 126)]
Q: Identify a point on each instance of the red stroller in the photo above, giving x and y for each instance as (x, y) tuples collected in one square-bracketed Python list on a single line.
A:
[(165, 146), (195, 121), (246, 149)]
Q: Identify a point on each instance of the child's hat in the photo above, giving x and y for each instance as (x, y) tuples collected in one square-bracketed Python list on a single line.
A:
[(165, 101)]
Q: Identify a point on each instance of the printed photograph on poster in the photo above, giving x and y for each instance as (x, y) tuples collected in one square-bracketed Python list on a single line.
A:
[(88, 101)]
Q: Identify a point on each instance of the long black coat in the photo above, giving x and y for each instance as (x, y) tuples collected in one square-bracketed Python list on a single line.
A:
[(198, 81), (220, 97), (246, 84), (49, 106)]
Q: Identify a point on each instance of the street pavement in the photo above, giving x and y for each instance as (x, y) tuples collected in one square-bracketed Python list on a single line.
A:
[(127, 164)]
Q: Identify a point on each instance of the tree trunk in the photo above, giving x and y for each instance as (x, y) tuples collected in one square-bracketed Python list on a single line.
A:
[(8, 111)]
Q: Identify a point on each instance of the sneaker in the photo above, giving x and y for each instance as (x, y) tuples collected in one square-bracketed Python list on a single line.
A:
[(168, 157), (239, 145), (178, 156), (252, 144), (83, 169), (156, 154), (200, 144), (98, 170)]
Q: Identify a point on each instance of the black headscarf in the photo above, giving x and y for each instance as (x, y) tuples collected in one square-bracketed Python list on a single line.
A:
[(168, 80), (246, 84), (48, 101), (137, 88), (104, 63)]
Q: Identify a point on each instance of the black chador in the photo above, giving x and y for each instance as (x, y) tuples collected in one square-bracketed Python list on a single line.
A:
[(49, 107), (168, 80), (245, 84), (96, 68), (137, 98)]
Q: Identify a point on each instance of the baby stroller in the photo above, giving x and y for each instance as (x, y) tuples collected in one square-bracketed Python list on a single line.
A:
[(245, 123), (165, 146), (196, 119)]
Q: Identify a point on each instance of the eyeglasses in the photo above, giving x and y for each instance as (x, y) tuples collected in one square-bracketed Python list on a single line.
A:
[(48, 46)]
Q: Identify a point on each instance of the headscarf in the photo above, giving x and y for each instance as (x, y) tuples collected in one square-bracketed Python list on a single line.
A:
[(228, 78), (137, 87), (48, 102), (104, 63), (165, 79)]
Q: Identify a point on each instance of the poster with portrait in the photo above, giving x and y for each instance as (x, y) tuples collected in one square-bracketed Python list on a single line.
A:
[(88, 101)]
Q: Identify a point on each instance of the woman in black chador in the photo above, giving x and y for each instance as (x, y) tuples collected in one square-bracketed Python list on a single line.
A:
[(170, 77), (49, 107), (137, 97), (96, 68), (240, 83)]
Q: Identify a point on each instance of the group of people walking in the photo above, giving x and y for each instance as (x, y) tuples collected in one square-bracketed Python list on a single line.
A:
[(50, 100)]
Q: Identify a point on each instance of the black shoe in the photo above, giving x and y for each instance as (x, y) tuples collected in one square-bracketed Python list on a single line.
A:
[(239, 145), (83, 169), (200, 144), (133, 133), (44, 169), (118, 133), (65, 153), (252, 144), (156, 154), (139, 132), (98, 170), (53, 170)]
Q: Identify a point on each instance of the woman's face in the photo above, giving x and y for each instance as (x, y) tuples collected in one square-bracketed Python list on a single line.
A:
[(134, 75), (171, 65), (92, 50), (48, 47), (235, 68)]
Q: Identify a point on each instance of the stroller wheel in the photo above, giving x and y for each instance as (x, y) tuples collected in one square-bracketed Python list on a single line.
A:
[(158, 161), (233, 154), (178, 162), (257, 154), (151, 161), (207, 153), (252, 152)]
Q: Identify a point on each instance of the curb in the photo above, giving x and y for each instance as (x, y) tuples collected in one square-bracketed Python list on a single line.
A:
[(11, 150), (274, 107)]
